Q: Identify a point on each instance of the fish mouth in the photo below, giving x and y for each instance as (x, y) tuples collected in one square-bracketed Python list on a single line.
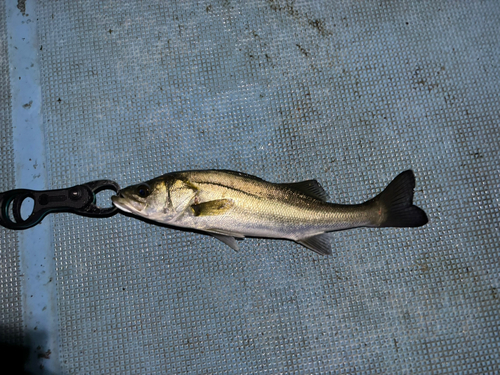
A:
[(126, 205)]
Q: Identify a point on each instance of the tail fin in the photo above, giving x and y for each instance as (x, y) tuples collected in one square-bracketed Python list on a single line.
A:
[(395, 203)]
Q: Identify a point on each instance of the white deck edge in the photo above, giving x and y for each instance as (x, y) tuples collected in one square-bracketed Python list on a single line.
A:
[(35, 244)]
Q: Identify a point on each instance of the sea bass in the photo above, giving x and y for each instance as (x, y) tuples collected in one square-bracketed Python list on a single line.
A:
[(230, 205)]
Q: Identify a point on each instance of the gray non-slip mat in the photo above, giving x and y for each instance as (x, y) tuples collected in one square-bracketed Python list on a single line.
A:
[(348, 93)]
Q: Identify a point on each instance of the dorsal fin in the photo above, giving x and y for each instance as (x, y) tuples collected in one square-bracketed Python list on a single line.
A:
[(239, 174), (311, 188)]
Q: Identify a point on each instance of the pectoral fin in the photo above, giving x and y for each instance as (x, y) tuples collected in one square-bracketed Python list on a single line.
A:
[(319, 244), (212, 208)]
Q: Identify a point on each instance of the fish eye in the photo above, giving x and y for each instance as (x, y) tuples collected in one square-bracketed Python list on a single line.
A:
[(143, 190)]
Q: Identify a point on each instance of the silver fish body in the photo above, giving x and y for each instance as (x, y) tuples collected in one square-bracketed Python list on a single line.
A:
[(231, 205)]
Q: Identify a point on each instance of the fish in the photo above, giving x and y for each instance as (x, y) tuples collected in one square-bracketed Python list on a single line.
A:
[(232, 205)]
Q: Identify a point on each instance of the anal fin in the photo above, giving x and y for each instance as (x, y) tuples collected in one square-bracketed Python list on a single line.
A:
[(319, 243)]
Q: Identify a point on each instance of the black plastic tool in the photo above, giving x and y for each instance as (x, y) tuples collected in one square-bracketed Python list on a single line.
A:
[(79, 199)]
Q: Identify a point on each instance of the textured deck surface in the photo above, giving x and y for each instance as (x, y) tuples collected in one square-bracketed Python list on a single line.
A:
[(345, 92)]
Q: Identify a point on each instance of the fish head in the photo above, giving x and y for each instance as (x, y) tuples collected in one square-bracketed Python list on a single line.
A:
[(148, 199)]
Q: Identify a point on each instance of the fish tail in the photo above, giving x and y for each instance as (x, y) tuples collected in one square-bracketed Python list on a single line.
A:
[(395, 204)]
